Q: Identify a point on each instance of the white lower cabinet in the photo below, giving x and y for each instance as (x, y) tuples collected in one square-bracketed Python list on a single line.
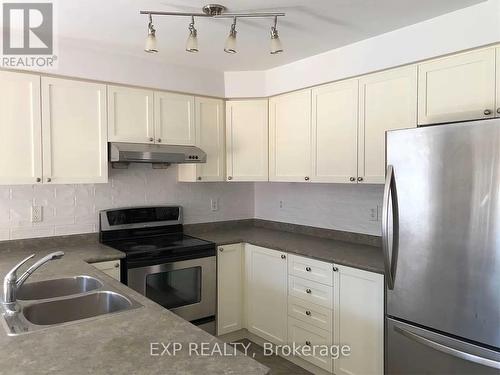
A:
[(283, 302), (230, 288), (110, 268), (266, 293), (359, 321)]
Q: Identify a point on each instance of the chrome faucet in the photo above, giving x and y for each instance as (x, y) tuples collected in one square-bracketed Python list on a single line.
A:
[(11, 283)]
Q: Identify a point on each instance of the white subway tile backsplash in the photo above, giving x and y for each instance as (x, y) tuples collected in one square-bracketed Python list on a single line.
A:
[(72, 209)]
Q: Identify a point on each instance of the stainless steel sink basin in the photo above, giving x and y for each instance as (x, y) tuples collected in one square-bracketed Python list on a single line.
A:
[(57, 287), (76, 308)]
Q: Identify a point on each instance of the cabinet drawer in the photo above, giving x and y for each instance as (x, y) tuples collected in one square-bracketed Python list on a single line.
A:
[(311, 291), (302, 333), (311, 269), (311, 313)]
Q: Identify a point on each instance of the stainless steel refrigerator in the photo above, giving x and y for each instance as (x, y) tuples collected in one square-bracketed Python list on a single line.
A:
[(441, 242)]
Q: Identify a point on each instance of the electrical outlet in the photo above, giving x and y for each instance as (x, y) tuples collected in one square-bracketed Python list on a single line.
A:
[(36, 214), (373, 214), (214, 204), (282, 204)]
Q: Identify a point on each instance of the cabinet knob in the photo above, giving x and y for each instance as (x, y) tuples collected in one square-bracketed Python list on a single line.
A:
[(306, 178), (487, 112), (159, 140), (283, 256), (335, 269), (117, 265), (360, 179), (308, 269), (49, 179), (229, 178), (308, 313), (221, 249), (308, 343), (151, 139), (352, 179), (198, 178), (498, 110), (38, 179), (308, 291)]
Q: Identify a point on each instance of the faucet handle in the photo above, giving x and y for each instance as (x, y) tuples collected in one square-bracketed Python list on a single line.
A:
[(11, 275)]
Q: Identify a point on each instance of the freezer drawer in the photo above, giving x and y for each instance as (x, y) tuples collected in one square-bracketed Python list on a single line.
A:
[(413, 350)]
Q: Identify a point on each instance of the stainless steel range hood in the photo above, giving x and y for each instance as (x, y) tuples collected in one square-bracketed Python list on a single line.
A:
[(120, 154)]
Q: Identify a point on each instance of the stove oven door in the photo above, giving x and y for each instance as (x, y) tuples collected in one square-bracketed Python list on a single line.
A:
[(187, 287)]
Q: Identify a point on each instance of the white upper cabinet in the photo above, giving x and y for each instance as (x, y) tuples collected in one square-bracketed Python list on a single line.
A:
[(174, 119), (290, 137), (230, 277), (266, 292), (209, 115), (74, 131), (498, 82), (387, 101), (130, 115), (247, 140), (359, 321), (335, 132), (20, 129), (457, 88)]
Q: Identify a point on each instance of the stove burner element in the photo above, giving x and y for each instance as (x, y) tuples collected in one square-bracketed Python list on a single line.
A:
[(143, 247)]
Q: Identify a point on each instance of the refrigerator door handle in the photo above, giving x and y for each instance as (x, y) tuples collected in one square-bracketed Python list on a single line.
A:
[(448, 350), (390, 201)]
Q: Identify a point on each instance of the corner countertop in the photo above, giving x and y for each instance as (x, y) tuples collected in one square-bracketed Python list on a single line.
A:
[(114, 344), (348, 253)]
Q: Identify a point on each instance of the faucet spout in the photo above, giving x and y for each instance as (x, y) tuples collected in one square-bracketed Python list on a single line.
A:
[(52, 256)]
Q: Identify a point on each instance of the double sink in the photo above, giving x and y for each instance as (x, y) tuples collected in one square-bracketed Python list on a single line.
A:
[(49, 303)]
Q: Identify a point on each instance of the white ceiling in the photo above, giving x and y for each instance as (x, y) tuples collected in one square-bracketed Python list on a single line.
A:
[(310, 27)]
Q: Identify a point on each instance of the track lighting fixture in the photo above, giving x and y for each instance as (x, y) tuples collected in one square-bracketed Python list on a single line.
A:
[(230, 46), (151, 46), (213, 11), (276, 46), (192, 40)]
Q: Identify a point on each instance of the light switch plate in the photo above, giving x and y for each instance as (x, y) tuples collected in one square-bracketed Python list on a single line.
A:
[(214, 204), (373, 214)]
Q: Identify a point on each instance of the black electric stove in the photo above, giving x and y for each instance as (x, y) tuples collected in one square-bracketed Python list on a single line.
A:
[(161, 262)]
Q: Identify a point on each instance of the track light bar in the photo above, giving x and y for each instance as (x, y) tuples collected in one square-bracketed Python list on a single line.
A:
[(225, 15)]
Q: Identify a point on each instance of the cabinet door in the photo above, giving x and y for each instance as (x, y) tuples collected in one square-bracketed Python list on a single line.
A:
[(229, 288), (335, 132), (290, 137), (174, 119), (267, 293), (74, 131), (130, 115), (247, 145), (209, 115), (20, 129), (457, 88), (359, 321), (110, 268), (387, 101), (498, 82)]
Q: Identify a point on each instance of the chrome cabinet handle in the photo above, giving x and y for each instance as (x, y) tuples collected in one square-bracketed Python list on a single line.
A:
[(390, 198), (151, 139), (38, 179), (221, 249), (283, 256), (306, 178), (229, 178), (49, 179), (159, 140), (498, 110), (448, 350), (308, 291), (308, 269), (335, 269), (360, 179), (198, 178), (352, 179), (308, 313), (117, 265), (308, 343), (487, 112)]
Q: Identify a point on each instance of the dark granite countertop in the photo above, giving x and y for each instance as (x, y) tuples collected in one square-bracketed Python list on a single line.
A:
[(288, 238), (113, 344)]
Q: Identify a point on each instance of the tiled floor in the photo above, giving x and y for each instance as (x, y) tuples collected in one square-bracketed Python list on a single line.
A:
[(277, 364)]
